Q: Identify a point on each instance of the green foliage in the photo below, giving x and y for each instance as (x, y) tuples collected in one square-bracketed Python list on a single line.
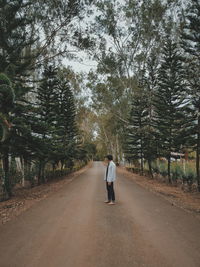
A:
[(190, 177), (90, 149), (15, 37), (140, 142), (184, 172), (4, 79), (149, 109), (56, 120), (177, 173), (163, 169), (65, 137), (134, 145), (190, 43), (49, 175), (191, 29), (127, 33), (170, 103), (7, 94), (34, 127), (54, 174)]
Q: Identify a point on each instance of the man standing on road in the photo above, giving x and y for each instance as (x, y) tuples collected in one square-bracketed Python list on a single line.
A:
[(110, 177)]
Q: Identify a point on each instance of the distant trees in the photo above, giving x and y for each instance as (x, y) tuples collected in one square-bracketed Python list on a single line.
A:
[(147, 79), (125, 33)]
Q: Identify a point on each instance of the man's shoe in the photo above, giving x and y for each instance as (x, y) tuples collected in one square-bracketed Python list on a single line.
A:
[(106, 201), (111, 203)]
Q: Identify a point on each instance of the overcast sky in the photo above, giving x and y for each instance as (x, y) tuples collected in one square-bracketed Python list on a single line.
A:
[(84, 66)]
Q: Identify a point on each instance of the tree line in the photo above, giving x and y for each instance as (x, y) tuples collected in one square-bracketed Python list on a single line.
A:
[(146, 89), (39, 134), (164, 116), (144, 95)]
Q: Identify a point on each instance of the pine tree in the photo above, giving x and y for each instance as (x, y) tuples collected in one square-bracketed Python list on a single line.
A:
[(191, 29), (170, 103), (191, 45), (149, 83), (16, 57), (6, 105), (17, 36), (142, 117), (46, 115), (134, 143), (66, 130)]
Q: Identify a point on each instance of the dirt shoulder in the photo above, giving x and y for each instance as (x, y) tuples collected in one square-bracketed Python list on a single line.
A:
[(23, 198), (185, 200)]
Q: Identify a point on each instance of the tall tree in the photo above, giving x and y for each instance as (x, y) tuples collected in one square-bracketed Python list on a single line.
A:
[(148, 81), (66, 129), (134, 146), (17, 37), (6, 105), (170, 102), (191, 45), (46, 115), (126, 32)]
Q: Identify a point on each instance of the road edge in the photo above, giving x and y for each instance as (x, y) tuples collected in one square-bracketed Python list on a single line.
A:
[(17, 205), (157, 188)]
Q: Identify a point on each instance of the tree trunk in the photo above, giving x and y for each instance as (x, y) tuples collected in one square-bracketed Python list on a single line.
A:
[(28, 175), (22, 170), (141, 157), (118, 149), (169, 169), (197, 153), (41, 173), (150, 168), (7, 182), (53, 167), (62, 166), (141, 162)]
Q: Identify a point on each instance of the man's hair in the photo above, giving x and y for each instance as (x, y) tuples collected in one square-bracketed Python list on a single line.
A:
[(109, 157)]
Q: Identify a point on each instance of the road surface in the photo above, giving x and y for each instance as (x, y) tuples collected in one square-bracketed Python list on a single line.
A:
[(75, 228)]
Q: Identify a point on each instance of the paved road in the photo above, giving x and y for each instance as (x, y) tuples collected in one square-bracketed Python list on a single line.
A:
[(74, 228)]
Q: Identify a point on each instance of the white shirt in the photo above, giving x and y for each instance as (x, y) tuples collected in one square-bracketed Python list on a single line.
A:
[(111, 176)]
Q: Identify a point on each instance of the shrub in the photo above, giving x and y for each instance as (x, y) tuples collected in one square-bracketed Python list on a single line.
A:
[(177, 172)]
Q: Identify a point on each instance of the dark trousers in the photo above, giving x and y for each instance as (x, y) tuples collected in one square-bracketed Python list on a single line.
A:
[(111, 192)]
